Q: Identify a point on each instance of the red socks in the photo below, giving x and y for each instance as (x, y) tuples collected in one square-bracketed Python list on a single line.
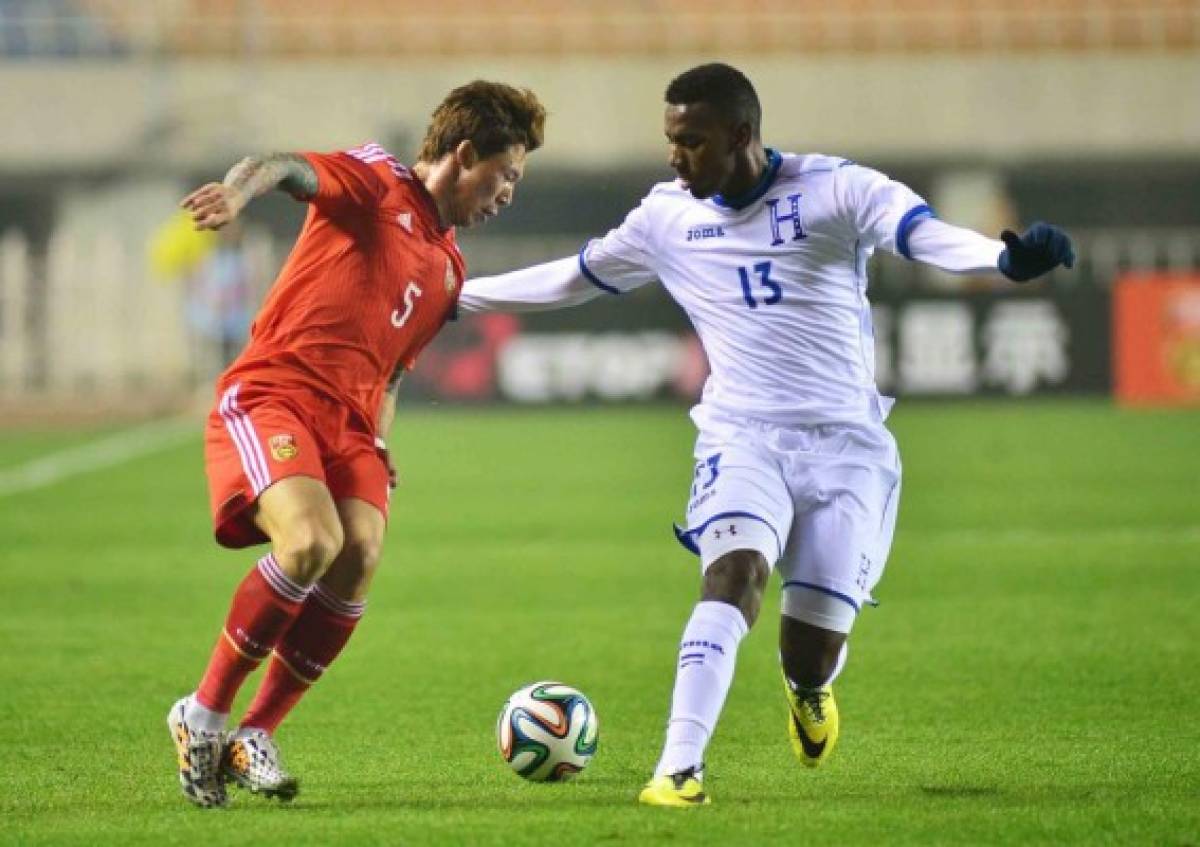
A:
[(264, 606), (311, 644)]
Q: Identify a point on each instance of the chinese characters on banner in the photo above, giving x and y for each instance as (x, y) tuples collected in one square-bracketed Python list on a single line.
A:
[(1003, 345), (947, 347)]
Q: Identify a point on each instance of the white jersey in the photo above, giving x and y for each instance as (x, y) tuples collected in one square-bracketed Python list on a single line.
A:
[(776, 288)]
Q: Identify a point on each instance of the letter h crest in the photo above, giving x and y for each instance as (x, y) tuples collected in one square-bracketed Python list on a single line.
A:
[(777, 219)]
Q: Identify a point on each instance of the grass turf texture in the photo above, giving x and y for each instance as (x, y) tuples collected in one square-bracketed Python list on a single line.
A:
[(1030, 676)]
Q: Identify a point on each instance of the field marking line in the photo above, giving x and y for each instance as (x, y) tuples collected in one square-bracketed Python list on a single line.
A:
[(109, 451), (1029, 535)]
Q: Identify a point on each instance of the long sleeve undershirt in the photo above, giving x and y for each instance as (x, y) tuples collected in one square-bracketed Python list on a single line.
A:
[(561, 283), (535, 289), (953, 248)]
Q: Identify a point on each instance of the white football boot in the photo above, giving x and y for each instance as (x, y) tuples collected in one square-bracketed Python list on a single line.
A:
[(252, 761), (199, 753)]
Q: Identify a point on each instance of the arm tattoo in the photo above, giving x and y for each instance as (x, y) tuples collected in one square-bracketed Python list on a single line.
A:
[(300, 178), (256, 175)]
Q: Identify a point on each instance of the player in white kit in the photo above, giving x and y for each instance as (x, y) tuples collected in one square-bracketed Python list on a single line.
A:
[(767, 253)]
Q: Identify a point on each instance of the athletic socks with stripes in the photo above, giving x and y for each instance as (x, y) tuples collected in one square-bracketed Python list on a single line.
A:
[(263, 608), (707, 655), (314, 640)]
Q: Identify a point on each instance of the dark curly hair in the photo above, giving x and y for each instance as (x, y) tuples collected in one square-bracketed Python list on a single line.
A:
[(723, 87)]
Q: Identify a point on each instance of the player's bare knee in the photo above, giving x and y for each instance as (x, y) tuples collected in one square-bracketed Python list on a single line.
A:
[(350, 575), (736, 573), (366, 552), (362, 556), (306, 549), (738, 578)]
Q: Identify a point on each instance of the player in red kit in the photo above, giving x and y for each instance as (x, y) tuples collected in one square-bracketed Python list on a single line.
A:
[(294, 449)]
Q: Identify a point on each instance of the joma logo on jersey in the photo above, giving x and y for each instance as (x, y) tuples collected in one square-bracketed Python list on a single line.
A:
[(699, 233)]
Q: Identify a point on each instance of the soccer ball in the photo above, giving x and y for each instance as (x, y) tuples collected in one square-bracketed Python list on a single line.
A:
[(547, 732)]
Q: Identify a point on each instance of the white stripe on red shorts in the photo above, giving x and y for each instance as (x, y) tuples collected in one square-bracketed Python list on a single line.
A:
[(245, 439)]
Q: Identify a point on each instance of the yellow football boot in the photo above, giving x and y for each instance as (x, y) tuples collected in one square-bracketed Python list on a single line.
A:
[(812, 722), (680, 789)]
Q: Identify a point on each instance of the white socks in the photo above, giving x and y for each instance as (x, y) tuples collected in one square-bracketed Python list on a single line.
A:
[(707, 655), (202, 718)]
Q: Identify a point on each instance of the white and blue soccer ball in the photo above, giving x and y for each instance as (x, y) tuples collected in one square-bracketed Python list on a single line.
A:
[(547, 732)]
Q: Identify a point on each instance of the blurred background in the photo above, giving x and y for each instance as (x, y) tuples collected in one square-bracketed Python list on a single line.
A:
[(1085, 113)]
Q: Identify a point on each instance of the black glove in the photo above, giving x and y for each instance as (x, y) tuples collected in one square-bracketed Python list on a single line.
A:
[(1042, 248)]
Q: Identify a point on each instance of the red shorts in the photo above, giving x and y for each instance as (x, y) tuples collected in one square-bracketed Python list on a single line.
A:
[(258, 435)]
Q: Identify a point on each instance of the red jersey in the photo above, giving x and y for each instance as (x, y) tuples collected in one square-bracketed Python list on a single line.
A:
[(370, 281)]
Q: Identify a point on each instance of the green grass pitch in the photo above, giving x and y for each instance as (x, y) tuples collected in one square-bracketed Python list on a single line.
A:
[(1030, 677)]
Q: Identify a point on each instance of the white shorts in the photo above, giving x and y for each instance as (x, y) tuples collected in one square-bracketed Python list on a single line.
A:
[(819, 502)]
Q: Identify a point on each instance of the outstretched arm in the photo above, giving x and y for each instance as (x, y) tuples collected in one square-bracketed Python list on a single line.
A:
[(1020, 258), (888, 213), (614, 264), (551, 285), (217, 203)]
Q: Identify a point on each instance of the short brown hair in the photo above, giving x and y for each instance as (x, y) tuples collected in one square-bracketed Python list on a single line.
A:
[(491, 115)]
